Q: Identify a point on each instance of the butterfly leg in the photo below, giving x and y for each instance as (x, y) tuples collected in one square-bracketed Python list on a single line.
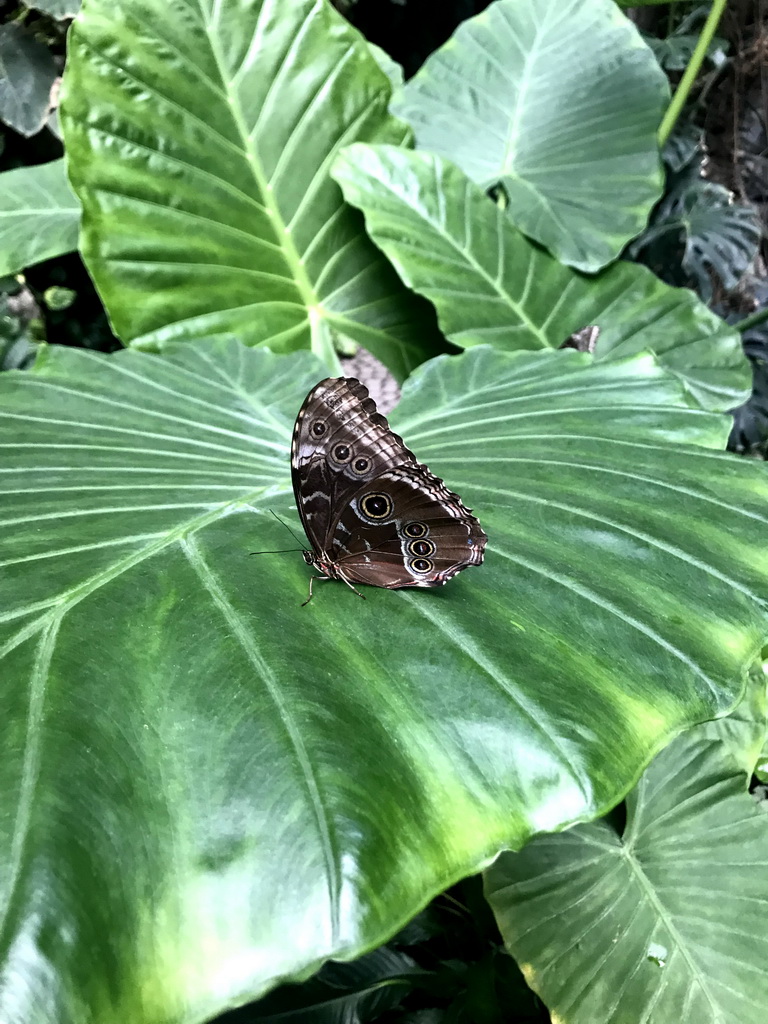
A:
[(351, 587), (313, 578), (311, 581)]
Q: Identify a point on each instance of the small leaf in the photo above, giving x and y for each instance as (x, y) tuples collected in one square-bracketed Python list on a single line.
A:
[(674, 51), (683, 145), (17, 350), (27, 73), (58, 9), (39, 216)]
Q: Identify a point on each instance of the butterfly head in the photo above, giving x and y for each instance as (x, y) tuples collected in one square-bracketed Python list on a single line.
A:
[(323, 565)]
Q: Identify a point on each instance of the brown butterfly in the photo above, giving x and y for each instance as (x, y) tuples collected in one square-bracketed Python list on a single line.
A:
[(372, 513)]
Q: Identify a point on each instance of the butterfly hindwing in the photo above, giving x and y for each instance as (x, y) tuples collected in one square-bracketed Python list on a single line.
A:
[(423, 534)]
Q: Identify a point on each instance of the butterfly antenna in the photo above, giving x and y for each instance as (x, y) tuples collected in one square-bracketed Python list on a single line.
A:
[(297, 539), (281, 551)]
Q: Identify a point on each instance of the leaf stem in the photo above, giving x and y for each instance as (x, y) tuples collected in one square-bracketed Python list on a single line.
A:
[(694, 66), (752, 321)]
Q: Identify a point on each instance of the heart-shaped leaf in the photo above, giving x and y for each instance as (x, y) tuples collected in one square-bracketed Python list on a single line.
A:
[(661, 920), (490, 284), (199, 140), (558, 103), (204, 786)]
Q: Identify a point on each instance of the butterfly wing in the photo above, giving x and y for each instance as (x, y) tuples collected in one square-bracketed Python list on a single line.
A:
[(406, 529), (372, 512), (340, 443)]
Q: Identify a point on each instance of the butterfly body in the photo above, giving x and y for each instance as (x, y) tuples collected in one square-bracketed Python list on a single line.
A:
[(372, 513)]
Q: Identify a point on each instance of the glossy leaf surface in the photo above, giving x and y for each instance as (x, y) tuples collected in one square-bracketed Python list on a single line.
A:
[(490, 284), (199, 139), (557, 102), (206, 787), (58, 9)]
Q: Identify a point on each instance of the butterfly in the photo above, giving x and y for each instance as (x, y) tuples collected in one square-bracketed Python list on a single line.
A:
[(371, 512)]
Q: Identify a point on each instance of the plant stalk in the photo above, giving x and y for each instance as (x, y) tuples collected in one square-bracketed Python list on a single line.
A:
[(752, 320), (689, 75)]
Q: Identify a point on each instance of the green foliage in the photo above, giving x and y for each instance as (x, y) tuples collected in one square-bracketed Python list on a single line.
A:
[(58, 9), (16, 343), (489, 283), (208, 208), (27, 73), (575, 152), (672, 902), (180, 690), (675, 50), (207, 789), (39, 216), (698, 224), (341, 993)]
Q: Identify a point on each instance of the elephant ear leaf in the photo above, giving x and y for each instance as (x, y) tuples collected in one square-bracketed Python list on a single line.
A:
[(491, 284), (574, 153), (671, 906), (200, 150), (188, 752)]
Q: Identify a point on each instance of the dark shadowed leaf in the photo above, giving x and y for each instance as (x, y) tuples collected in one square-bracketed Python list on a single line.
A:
[(27, 72), (719, 237), (351, 993)]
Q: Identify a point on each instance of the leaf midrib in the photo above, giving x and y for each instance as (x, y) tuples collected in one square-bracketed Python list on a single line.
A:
[(266, 192), (667, 921)]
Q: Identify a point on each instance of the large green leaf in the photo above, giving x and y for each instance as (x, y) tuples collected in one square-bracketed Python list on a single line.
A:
[(663, 920), (39, 216), (560, 104), (490, 284), (206, 787), (199, 139)]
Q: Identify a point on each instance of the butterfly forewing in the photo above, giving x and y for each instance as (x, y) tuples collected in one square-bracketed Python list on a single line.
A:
[(340, 442), (371, 512)]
